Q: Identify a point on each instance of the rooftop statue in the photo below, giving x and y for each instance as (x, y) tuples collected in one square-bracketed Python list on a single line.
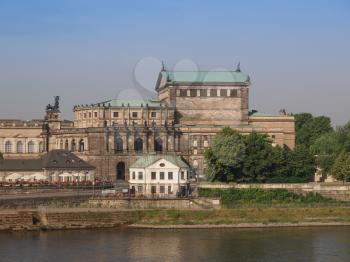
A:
[(55, 107)]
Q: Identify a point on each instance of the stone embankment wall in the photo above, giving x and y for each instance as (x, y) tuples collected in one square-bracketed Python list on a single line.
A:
[(18, 202), (18, 220), (134, 203), (339, 192), (66, 219)]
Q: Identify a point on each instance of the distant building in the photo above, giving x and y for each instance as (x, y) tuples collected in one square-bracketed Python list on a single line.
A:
[(190, 109), (55, 166), (161, 175)]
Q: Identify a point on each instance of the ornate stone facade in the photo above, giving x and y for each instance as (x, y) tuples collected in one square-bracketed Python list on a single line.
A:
[(190, 109)]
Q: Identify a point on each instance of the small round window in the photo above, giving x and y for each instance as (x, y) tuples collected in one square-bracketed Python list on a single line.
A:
[(162, 164)]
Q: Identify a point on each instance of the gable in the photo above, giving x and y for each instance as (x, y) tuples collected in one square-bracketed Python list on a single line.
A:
[(163, 163)]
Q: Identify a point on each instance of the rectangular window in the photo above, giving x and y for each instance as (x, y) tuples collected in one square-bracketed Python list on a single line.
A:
[(140, 189), (193, 92), (153, 114), (223, 92), (140, 175), (134, 114), (213, 92), (133, 175), (153, 175), (153, 189), (183, 92), (161, 175), (204, 92), (182, 175), (233, 93), (115, 114), (162, 189), (90, 114), (170, 175), (85, 115), (95, 114), (169, 190)]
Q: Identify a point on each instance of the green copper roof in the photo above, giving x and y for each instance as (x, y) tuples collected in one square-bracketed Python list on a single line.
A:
[(258, 114), (132, 102), (148, 160), (206, 76)]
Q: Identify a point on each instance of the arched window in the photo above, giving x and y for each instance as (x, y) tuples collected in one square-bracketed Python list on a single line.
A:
[(118, 144), (30, 147), (138, 144), (158, 144), (73, 146), (19, 147), (66, 145), (8, 147), (81, 145), (41, 147)]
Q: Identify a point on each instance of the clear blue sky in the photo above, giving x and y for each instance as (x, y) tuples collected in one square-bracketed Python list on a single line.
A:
[(297, 52)]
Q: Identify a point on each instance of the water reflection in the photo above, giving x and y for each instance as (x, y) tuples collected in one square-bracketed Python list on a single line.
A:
[(284, 244)]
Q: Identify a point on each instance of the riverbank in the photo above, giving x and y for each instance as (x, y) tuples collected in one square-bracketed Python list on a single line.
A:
[(79, 218)]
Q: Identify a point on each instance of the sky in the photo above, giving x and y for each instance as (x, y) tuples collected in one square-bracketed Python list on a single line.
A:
[(296, 52)]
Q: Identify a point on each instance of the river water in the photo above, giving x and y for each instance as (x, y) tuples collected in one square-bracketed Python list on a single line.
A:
[(278, 244)]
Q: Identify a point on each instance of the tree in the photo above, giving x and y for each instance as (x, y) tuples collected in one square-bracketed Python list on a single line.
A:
[(309, 128), (326, 148), (258, 162), (341, 167), (224, 158), (1, 156), (301, 164)]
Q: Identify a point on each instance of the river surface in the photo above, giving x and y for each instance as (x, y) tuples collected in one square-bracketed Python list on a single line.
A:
[(278, 244)]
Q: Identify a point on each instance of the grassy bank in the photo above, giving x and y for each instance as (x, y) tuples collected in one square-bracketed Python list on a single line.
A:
[(233, 197), (270, 215)]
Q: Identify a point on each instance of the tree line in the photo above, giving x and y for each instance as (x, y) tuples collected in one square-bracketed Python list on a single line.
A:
[(253, 158)]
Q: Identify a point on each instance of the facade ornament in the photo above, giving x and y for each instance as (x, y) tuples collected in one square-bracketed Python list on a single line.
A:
[(55, 107), (163, 67), (238, 69)]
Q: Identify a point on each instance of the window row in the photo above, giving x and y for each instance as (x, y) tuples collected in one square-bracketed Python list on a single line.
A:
[(138, 145), (208, 92), (153, 189), (139, 175), (115, 115), (161, 175), (73, 145), (19, 147)]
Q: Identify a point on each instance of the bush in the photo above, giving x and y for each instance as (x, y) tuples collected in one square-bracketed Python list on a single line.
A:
[(234, 196)]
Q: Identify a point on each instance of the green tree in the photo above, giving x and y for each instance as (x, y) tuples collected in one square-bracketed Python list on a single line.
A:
[(301, 164), (326, 148), (224, 158), (258, 163), (342, 134), (309, 128), (341, 167)]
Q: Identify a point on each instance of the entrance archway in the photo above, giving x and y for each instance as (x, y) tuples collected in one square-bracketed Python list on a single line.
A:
[(121, 171)]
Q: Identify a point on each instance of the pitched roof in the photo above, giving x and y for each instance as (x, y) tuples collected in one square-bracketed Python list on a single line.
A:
[(132, 102), (206, 76), (63, 159), (55, 159), (21, 165), (148, 160)]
